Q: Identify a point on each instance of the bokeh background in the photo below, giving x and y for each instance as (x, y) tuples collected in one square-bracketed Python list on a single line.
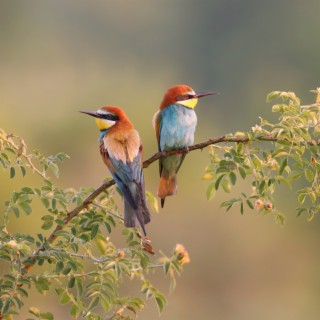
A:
[(58, 57)]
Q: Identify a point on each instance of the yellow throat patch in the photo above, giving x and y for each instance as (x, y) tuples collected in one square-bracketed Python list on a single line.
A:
[(191, 103), (104, 124)]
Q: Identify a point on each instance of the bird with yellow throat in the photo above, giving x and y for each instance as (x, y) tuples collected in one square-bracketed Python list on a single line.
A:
[(121, 151), (175, 124)]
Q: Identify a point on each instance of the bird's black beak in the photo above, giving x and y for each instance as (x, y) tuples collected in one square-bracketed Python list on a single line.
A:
[(92, 113), (203, 94)]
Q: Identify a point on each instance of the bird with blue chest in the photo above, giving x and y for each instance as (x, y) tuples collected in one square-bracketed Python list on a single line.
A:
[(121, 151), (175, 125)]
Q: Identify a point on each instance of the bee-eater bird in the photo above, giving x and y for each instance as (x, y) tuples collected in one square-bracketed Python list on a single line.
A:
[(121, 151), (175, 124)]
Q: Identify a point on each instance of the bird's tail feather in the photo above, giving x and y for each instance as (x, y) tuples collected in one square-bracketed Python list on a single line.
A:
[(167, 187), (133, 216)]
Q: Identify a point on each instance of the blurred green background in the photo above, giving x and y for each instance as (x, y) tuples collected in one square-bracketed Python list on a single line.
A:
[(58, 57)]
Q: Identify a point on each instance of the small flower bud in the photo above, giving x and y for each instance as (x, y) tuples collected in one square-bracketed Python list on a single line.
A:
[(259, 204), (268, 206)]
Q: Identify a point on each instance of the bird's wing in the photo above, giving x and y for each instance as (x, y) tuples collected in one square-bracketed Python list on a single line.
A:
[(157, 124), (126, 174)]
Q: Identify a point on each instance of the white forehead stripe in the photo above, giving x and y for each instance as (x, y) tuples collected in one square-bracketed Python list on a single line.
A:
[(102, 111)]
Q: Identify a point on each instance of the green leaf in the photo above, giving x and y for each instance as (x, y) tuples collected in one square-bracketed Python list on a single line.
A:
[(6, 307), (16, 211), (233, 178), (153, 201), (242, 172), (211, 191), (47, 316), (12, 172), (59, 266), (249, 203), (241, 208), (94, 231), (35, 311), (26, 208), (94, 302), (280, 218), (23, 171), (226, 185), (283, 164), (71, 282), (309, 175), (160, 300), (66, 271), (47, 225), (27, 190), (74, 311), (65, 298), (54, 169), (218, 181), (273, 95), (79, 286)]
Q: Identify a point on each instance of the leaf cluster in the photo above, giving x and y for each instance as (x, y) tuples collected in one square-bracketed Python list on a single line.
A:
[(74, 257), (291, 158)]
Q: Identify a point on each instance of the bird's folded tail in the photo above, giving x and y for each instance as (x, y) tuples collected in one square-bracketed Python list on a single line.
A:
[(140, 215), (167, 187)]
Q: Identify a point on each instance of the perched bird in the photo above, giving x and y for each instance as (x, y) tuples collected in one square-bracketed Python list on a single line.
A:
[(175, 125), (121, 151)]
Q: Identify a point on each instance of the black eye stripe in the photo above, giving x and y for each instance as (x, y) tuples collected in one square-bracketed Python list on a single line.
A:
[(184, 97), (109, 116)]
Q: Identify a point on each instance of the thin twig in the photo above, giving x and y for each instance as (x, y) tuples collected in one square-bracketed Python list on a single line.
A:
[(107, 211), (90, 198)]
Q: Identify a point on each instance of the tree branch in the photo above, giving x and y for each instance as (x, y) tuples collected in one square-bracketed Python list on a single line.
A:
[(90, 198)]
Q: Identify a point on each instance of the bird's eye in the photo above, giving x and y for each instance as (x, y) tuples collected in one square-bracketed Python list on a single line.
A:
[(110, 116), (184, 97)]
